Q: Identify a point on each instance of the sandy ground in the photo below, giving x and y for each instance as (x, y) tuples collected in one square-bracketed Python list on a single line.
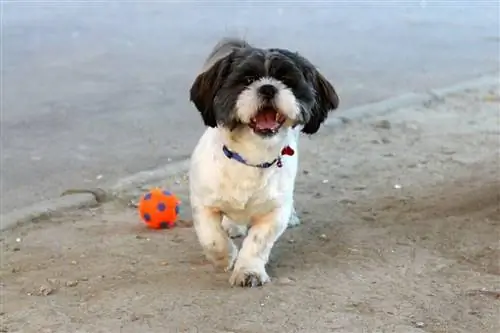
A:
[(400, 233)]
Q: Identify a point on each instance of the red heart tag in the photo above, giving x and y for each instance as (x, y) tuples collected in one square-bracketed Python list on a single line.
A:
[(287, 151)]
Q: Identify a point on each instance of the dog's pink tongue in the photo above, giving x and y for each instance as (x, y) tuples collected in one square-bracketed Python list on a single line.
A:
[(266, 120)]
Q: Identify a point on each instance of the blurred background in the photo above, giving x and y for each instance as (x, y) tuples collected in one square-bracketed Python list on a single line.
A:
[(93, 91)]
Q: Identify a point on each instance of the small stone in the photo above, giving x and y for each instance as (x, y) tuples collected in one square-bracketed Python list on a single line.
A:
[(317, 195), (384, 124), (347, 201), (84, 278), (18, 240), (305, 172), (164, 263), (325, 181), (447, 151), (72, 283), (16, 248), (45, 291), (389, 155), (419, 324), (291, 241), (284, 281), (74, 262), (368, 218), (53, 282), (377, 142), (397, 186), (323, 237)]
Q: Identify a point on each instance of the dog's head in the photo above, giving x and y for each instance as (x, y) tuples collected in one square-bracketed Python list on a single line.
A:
[(263, 89)]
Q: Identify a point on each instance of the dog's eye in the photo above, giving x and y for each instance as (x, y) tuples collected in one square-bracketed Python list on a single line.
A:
[(250, 79), (289, 81)]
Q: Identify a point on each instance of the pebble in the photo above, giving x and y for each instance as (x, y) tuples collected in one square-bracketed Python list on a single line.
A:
[(325, 181), (323, 237), (72, 283), (385, 124), (291, 241), (397, 186), (45, 291), (54, 282), (419, 324), (347, 201), (284, 281), (368, 218)]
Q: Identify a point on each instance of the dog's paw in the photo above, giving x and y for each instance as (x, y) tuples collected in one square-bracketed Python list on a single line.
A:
[(294, 220), (244, 277), (234, 230), (223, 260)]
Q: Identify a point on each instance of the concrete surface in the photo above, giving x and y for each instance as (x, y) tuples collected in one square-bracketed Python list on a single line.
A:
[(402, 238), (95, 92)]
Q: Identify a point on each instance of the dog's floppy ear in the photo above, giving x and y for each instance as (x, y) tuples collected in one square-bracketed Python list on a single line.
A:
[(326, 100), (205, 87)]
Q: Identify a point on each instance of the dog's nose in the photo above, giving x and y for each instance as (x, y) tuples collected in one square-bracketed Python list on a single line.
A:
[(268, 91)]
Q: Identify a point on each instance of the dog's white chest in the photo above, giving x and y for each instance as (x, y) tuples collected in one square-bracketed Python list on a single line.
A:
[(238, 190), (246, 192)]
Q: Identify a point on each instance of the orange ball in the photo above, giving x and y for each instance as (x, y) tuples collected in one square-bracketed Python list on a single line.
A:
[(159, 209)]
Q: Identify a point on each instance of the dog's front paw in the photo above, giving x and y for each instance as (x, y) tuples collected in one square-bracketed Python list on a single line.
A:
[(223, 260), (248, 277)]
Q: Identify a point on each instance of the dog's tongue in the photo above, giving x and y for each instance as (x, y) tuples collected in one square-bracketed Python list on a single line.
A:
[(266, 120)]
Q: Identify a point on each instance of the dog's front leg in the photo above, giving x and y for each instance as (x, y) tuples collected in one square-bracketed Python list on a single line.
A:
[(216, 244), (249, 269)]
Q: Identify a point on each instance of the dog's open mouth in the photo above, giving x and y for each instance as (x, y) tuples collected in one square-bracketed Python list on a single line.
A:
[(267, 122)]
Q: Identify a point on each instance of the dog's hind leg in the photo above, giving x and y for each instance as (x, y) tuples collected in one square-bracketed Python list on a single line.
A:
[(294, 219), (233, 229)]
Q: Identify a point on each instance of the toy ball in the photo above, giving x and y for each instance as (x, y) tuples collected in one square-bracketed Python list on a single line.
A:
[(159, 209)]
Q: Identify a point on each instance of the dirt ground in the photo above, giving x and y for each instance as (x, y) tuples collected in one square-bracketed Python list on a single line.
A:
[(400, 233)]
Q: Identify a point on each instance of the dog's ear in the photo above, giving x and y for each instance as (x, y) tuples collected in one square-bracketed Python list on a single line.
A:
[(205, 87), (326, 100)]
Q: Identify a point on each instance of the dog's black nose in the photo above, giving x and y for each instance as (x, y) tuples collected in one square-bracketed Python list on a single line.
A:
[(268, 91)]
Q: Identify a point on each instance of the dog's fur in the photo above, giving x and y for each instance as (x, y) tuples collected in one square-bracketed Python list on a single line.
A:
[(229, 198)]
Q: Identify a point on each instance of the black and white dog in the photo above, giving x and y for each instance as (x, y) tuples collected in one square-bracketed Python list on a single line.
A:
[(255, 102)]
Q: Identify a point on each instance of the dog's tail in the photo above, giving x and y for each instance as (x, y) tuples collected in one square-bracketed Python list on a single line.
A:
[(223, 48)]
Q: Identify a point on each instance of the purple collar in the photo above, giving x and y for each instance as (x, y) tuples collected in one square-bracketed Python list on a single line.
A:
[(237, 157)]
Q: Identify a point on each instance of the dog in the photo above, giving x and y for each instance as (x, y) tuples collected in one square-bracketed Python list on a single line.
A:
[(254, 103)]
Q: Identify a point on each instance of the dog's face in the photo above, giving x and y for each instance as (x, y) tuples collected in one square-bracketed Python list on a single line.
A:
[(264, 90)]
